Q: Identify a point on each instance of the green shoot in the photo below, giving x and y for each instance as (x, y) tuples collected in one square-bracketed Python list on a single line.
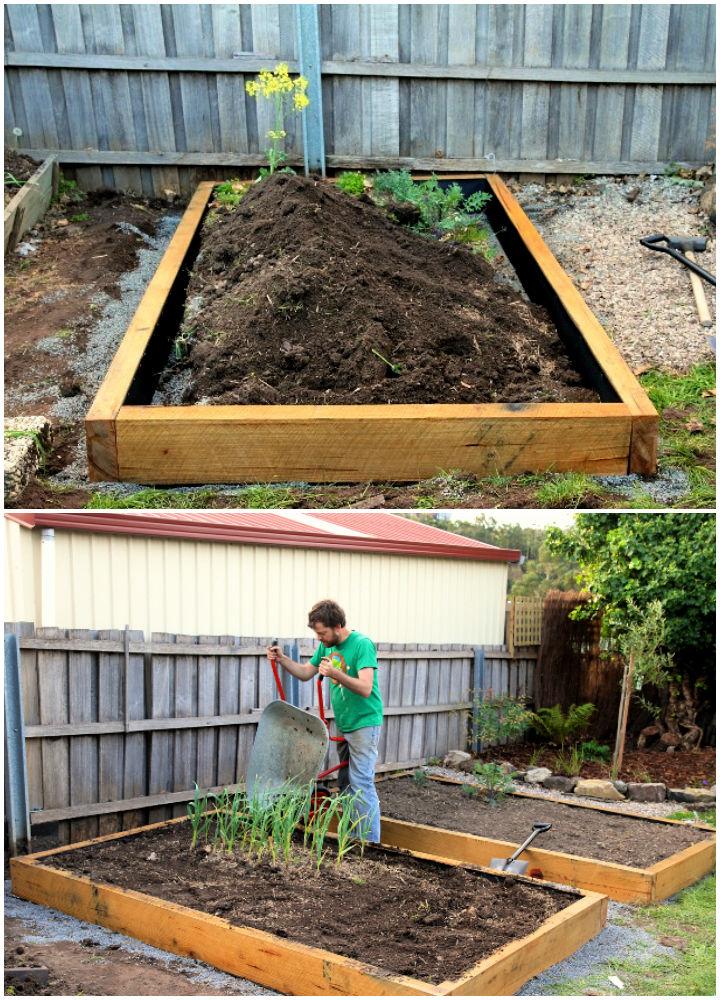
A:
[(396, 369), (198, 813), (348, 822)]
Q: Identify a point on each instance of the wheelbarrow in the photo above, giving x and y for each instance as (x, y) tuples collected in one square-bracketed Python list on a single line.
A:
[(290, 746)]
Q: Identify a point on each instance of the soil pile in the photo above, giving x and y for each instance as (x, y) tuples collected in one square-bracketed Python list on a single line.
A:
[(306, 295), (406, 915), (17, 168)]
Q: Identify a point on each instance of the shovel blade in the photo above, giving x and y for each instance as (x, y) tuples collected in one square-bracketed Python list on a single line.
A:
[(514, 867)]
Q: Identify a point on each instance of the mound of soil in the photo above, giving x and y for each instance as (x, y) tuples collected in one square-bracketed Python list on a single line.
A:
[(626, 840), (21, 167), (293, 292), (409, 916)]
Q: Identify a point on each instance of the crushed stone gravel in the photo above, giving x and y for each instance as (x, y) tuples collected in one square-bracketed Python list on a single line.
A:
[(643, 298), (45, 925), (667, 487)]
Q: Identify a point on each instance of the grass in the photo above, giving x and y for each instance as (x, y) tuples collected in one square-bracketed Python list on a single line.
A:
[(686, 923), (567, 489), (152, 499)]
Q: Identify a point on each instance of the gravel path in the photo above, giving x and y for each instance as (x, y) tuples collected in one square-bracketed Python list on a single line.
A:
[(643, 298), (45, 925)]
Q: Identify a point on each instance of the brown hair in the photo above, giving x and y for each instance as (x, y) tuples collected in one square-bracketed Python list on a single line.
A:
[(327, 613)]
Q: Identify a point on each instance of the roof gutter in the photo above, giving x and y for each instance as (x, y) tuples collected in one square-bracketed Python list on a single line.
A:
[(139, 526)]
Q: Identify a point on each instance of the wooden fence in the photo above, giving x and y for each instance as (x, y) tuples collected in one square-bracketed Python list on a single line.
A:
[(140, 96), (118, 729)]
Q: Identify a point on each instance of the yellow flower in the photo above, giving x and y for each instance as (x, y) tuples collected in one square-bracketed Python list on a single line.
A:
[(300, 101), (275, 134), (251, 88), (301, 83)]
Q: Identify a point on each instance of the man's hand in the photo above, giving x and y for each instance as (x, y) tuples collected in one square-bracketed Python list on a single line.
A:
[(276, 653), (326, 669)]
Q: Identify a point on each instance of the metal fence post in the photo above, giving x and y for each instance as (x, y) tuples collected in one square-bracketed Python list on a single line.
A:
[(478, 694), (309, 55), (16, 784), (294, 654)]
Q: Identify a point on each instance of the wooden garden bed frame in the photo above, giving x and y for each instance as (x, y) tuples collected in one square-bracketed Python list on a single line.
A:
[(31, 202), (625, 883), (128, 440), (280, 964)]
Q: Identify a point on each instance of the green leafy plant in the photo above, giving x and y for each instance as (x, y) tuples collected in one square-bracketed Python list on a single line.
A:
[(199, 815), (35, 437), (80, 217), (395, 368), (352, 182), (349, 823), (470, 791), (232, 192), (569, 762), (499, 719), (563, 727), (495, 784), (319, 826), (12, 181), (594, 751), (438, 208), (285, 95), (420, 777)]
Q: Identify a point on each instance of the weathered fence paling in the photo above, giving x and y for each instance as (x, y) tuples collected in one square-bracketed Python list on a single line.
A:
[(535, 88), (119, 728)]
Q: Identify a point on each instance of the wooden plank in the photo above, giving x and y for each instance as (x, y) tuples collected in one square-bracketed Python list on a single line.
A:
[(286, 966), (185, 705), (381, 96), (249, 667), (124, 365), (683, 869), (228, 703), (460, 109), (380, 68), (445, 165), (227, 32), (160, 695), (29, 204), (84, 750), (413, 441), (111, 749), (135, 760), (536, 96), (420, 672), (207, 707), (24, 30), (652, 49), (163, 648), (53, 704)]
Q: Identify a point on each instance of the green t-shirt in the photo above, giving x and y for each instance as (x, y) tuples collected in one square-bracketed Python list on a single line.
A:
[(353, 711)]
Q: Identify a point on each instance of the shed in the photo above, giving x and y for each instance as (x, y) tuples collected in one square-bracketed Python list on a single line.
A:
[(253, 573)]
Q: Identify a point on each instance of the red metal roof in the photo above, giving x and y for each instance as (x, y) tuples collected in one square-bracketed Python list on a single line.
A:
[(361, 531)]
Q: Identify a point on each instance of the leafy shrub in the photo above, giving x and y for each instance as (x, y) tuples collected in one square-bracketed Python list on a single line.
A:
[(420, 777), (493, 781), (231, 192), (470, 791), (569, 763), (502, 718), (440, 208), (560, 727), (591, 750), (352, 182)]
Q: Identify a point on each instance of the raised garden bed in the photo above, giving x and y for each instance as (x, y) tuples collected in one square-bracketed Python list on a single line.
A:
[(631, 859), (129, 439), (31, 202), (410, 925)]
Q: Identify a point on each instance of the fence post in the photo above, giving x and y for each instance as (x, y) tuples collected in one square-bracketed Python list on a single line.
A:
[(309, 55), (16, 783), (478, 690), (292, 650)]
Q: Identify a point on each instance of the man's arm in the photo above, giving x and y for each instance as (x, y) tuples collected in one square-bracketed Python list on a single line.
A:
[(303, 671)]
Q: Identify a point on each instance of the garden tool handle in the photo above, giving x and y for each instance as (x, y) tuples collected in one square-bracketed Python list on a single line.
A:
[(276, 674), (537, 828), (321, 708), (651, 243)]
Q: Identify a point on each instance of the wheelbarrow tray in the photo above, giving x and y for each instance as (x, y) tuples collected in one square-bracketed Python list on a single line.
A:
[(289, 748)]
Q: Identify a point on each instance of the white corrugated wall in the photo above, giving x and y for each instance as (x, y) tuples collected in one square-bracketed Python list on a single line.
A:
[(168, 585)]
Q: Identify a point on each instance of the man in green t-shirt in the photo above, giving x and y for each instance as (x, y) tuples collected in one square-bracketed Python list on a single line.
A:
[(349, 659)]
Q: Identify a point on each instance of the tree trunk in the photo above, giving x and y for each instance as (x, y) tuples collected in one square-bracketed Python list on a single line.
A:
[(623, 715)]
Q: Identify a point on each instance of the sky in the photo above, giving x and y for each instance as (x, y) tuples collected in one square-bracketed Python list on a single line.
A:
[(525, 518)]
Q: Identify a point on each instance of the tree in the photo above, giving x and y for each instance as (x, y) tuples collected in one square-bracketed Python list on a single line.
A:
[(544, 573), (634, 559)]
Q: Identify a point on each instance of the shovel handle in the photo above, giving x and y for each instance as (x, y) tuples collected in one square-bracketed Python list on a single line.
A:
[(537, 828)]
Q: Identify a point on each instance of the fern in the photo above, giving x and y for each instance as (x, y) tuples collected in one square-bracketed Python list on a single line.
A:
[(561, 727)]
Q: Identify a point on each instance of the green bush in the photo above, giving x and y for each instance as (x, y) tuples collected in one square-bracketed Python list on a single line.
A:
[(440, 208), (561, 727), (493, 781), (499, 719), (420, 777), (352, 182), (591, 750)]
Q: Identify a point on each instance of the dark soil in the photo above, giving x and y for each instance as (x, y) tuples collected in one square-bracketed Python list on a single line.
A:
[(401, 914), (21, 167), (293, 291), (694, 768), (585, 832)]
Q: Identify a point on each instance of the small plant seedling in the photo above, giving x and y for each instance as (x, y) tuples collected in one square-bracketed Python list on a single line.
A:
[(232, 192), (494, 782), (80, 217), (470, 791), (434, 761), (352, 182), (395, 368), (420, 777), (12, 181), (36, 438)]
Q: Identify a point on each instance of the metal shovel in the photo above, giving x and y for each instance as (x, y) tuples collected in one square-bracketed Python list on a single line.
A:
[(519, 867)]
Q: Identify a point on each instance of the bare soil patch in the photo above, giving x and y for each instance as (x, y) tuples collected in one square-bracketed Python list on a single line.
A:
[(586, 832), (19, 168), (408, 916), (306, 295)]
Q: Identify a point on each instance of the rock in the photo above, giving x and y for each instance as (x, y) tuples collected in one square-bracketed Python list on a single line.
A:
[(467, 766), (692, 794), (559, 783), (519, 775), (632, 194), (594, 788), (536, 775), (646, 791), (506, 767), (27, 442), (455, 757), (152, 856), (707, 202), (621, 787)]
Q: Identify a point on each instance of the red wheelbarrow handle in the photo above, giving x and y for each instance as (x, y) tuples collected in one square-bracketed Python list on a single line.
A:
[(278, 682), (321, 706)]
